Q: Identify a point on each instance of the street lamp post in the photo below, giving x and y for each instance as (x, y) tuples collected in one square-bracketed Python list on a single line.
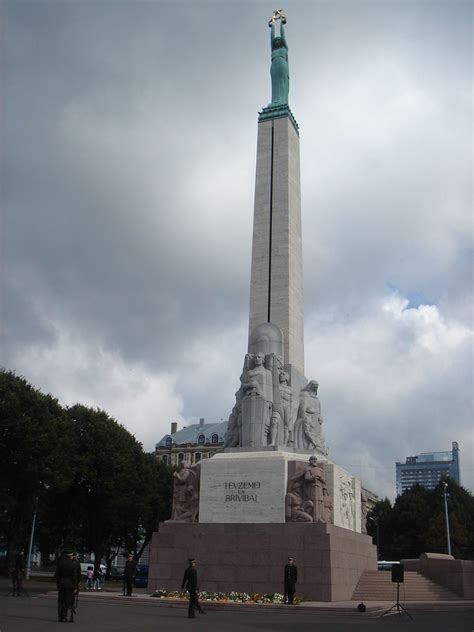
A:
[(28, 564), (445, 487)]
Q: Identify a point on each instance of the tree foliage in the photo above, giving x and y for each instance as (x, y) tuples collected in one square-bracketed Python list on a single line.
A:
[(416, 523), (87, 478)]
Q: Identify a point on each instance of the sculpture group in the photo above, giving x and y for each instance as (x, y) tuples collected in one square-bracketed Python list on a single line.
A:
[(268, 410)]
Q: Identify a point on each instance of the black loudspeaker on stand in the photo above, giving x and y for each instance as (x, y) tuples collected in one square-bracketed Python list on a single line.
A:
[(398, 577)]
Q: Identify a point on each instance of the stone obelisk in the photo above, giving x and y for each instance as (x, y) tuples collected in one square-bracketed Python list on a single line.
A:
[(276, 289)]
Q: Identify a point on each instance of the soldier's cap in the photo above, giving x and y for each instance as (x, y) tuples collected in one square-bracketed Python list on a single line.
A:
[(68, 553), (191, 559), (291, 558)]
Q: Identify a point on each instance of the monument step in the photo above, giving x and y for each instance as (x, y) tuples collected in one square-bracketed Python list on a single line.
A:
[(378, 586)]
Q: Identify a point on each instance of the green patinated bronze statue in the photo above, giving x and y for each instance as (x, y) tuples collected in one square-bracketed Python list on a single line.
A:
[(278, 107), (279, 69)]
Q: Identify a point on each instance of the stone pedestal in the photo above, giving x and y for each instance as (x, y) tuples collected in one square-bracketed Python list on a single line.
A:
[(250, 487), (251, 558)]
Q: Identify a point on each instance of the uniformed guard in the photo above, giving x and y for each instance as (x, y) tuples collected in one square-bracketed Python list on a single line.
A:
[(129, 574), (290, 579), (77, 565), (18, 573), (66, 581), (190, 583)]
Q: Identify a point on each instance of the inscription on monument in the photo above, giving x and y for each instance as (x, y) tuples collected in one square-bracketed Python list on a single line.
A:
[(240, 491)]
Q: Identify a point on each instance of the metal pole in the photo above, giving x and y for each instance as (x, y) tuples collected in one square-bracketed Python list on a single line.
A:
[(447, 518), (28, 565)]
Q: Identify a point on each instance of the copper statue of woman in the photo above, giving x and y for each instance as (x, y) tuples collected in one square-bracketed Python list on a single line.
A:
[(279, 69)]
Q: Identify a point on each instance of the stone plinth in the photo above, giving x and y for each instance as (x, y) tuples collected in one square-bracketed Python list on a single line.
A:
[(251, 558), (250, 487)]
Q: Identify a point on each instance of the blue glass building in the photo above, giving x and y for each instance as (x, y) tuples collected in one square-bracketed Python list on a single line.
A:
[(428, 468)]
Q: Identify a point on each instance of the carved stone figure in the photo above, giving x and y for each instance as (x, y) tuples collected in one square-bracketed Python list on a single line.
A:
[(255, 379), (285, 398), (364, 510), (306, 483), (297, 509), (233, 435), (308, 431), (347, 507), (313, 486), (327, 506), (186, 494), (275, 423)]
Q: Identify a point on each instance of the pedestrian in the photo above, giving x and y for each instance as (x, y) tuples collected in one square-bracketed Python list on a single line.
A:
[(290, 579), (129, 574), (18, 573), (190, 583), (78, 577), (66, 581), (90, 578), (97, 575)]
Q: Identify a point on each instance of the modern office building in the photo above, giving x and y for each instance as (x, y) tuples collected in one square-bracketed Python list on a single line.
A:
[(428, 468)]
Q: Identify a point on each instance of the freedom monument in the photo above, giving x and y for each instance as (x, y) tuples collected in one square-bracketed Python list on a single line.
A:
[(273, 492)]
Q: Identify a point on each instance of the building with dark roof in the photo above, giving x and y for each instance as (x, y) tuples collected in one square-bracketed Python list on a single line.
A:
[(192, 443)]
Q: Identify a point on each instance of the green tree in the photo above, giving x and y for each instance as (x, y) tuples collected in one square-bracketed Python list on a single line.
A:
[(108, 462), (152, 504), (380, 528), (35, 438), (411, 517), (461, 518)]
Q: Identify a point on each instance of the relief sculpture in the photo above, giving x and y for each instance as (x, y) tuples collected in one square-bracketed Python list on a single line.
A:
[(347, 504), (186, 494), (307, 498)]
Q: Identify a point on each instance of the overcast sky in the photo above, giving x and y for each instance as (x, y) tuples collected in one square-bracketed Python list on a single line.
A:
[(128, 162)]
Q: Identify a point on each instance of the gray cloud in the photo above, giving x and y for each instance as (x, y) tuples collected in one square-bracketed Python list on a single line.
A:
[(128, 159)]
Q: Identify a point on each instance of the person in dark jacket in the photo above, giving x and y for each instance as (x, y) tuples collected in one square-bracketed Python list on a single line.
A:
[(67, 583), (190, 583), (18, 573), (290, 579), (129, 574)]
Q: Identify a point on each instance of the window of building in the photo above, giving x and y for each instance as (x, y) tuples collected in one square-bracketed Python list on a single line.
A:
[(181, 457), (168, 441), (197, 456), (215, 438), (164, 458), (201, 439)]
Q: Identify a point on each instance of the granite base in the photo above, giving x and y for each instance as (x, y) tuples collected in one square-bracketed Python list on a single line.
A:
[(251, 557)]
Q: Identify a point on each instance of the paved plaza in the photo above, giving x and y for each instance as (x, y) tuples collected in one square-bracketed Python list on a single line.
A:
[(38, 614)]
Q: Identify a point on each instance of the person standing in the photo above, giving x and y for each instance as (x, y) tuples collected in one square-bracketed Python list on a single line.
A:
[(190, 583), (77, 567), (18, 574), (129, 574), (66, 581), (290, 579)]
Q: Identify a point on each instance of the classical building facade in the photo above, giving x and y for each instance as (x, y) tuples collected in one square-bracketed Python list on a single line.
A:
[(192, 443), (428, 469)]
